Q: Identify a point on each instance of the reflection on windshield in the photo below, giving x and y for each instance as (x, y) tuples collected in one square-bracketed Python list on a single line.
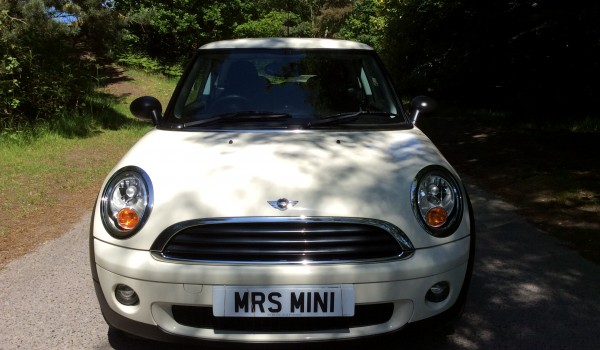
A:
[(306, 85)]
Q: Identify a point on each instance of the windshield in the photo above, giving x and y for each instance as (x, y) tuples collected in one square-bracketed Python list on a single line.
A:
[(285, 88)]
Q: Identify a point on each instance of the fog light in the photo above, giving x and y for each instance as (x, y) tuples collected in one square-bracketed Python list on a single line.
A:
[(438, 292), (126, 296)]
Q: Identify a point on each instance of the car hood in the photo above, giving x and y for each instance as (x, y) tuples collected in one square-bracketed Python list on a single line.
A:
[(220, 174)]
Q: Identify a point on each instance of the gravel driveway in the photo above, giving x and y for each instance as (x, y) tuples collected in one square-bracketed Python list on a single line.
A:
[(528, 292)]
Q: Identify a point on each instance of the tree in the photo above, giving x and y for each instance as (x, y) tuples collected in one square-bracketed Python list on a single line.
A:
[(274, 24), (332, 16), (521, 54), (46, 67), (171, 30), (303, 12), (39, 63), (365, 23)]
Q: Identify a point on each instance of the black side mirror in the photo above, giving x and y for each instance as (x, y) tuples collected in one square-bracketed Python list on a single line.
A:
[(421, 104), (146, 108)]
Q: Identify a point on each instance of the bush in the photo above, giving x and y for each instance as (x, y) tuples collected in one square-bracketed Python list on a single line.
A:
[(46, 71), (149, 65)]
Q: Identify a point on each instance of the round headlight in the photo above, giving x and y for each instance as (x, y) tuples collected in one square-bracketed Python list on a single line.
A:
[(437, 201), (126, 202)]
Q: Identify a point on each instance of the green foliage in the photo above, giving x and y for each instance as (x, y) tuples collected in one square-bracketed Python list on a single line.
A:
[(149, 65), (535, 57), (365, 23), (274, 24), (169, 31), (45, 72), (38, 73), (101, 29), (332, 16)]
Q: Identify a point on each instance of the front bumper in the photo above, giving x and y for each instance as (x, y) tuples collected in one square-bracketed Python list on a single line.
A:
[(161, 285)]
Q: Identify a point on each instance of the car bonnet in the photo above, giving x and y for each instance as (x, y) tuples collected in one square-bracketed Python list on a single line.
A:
[(219, 174)]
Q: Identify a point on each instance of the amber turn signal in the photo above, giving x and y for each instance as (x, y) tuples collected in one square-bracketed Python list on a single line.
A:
[(436, 216), (128, 218)]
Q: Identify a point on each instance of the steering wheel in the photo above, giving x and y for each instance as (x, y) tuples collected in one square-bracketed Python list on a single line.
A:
[(231, 103)]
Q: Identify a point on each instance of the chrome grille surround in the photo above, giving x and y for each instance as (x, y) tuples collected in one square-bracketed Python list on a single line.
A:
[(282, 240)]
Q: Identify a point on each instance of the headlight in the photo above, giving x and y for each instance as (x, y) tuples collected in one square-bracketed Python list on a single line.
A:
[(437, 201), (126, 202)]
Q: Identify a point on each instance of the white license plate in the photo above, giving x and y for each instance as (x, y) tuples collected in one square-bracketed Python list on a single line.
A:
[(283, 301)]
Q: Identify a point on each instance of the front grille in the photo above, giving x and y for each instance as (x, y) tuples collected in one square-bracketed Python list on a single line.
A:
[(282, 241), (202, 317)]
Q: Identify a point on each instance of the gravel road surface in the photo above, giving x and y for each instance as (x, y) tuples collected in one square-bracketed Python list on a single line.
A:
[(528, 292)]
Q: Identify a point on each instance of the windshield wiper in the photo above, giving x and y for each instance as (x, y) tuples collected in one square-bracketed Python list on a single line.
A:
[(239, 116), (341, 118)]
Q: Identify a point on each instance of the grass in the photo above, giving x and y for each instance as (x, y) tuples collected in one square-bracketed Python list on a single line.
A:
[(34, 172), (50, 176), (138, 83)]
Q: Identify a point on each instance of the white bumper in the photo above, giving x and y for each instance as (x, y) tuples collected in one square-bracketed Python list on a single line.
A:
[(162, 284)]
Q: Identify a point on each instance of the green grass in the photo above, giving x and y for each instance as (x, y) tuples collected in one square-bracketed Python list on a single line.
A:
[(53, 163), (31, 174), (155, 85)]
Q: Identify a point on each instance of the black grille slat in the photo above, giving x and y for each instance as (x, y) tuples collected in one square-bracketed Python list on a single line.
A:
[(245, 250), (266, 244), (203, 239), (276, 228), (257, 255), (280, 241)]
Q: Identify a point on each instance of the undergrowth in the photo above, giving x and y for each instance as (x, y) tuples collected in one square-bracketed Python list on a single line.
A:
[(149, 65)]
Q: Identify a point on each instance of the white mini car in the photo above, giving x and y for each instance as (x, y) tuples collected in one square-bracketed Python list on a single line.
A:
[(283, 196)]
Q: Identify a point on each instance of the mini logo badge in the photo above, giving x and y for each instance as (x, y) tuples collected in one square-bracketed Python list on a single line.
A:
[(282, 204)]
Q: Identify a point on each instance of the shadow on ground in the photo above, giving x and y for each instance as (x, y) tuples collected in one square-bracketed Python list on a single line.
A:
[(552, 176)]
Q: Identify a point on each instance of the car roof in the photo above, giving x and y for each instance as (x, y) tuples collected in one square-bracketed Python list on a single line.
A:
[(286, 43)]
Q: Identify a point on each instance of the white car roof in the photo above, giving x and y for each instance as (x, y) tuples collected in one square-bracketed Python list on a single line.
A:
[(287, 43)]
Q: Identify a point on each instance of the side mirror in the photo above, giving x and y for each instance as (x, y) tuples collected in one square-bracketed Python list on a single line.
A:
[(146, 108), (421, 104)]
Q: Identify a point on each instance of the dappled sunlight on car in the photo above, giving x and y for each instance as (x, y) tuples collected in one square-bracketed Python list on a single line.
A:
[(284, 196)]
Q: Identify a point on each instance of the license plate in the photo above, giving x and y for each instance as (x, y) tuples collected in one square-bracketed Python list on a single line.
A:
[(283, 301)]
